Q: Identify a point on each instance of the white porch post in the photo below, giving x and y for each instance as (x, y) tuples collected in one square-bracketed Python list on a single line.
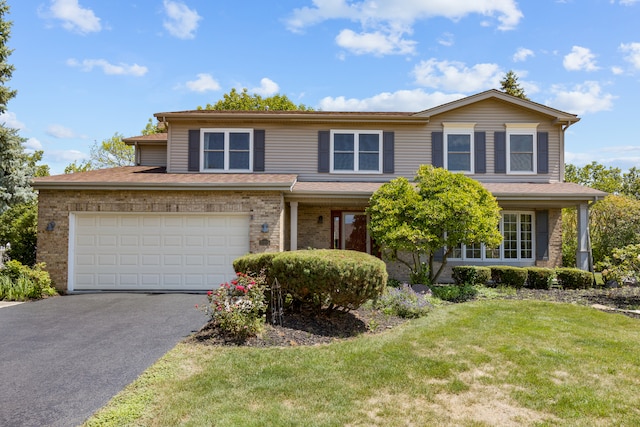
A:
[(294, 225), (582, 255)]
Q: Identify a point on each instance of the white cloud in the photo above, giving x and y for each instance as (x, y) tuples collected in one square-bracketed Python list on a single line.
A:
[(376, 43), (267, 87), (108, 68), (627, 2), (33, 144), (582, 99), (59, 131), (617, 70), (633, 53), (456, 76), (522, 54), (447, 39), (579, 59), (67, 156), (204, 83), (395, 14), (10, 120), (402, 100), (384, 23), (74, 17), (181, 21)]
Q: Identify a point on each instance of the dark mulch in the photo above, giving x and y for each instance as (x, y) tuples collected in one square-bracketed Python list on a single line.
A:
[(307, 328), (312, 328)]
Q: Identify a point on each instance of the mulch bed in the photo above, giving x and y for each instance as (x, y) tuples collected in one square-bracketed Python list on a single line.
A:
[(310, 328)]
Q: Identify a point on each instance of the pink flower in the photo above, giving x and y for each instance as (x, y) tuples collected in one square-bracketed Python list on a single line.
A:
[(210, 293), (196, 306), (234, 282), (241, 288)]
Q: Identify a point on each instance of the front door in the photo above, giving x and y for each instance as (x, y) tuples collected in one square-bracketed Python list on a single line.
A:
[(349, 231)]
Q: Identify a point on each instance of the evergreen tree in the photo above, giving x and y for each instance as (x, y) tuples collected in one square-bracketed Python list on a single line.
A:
[(510, 85), (16, 170)]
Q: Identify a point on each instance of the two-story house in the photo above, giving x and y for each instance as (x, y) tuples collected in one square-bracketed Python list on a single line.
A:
[(220, 184)]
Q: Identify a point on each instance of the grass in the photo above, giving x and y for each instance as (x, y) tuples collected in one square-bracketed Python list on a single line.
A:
[(489, 362)]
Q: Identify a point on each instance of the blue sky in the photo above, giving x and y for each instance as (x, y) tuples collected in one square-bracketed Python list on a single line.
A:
[(86, 69)]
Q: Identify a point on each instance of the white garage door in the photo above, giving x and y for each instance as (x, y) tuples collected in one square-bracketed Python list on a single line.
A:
[(154, 251)]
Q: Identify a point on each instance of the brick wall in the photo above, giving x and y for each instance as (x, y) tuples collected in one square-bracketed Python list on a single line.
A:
[(555, 240), (56, 205)]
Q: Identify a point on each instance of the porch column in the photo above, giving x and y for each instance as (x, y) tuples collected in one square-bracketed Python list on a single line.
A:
[(294, 225), (582, 255)]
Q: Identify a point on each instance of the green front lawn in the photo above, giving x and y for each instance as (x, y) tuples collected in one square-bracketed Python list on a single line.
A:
[(490, 362)]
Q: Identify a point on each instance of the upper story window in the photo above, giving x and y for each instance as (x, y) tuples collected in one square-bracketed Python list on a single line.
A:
[(521, 148), (459, 147), (356, 151), (226, 150)]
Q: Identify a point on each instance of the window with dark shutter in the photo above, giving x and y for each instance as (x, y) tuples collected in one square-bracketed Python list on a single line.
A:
[(193, 164), (500, 152), (480, 152), (388, 161), (543, 152), (258, 150), (324, 151)]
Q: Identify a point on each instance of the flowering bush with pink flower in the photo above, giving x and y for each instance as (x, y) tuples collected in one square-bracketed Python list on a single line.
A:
[(238, 308)]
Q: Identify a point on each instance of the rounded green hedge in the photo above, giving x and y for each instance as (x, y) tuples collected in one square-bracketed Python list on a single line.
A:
[(471, 275), (573, 278), (322, 277)]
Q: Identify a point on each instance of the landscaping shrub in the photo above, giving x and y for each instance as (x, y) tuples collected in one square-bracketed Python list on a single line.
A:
[(623, 266), (454, 293), (503, 275), (404, 302), (238, 308), (255, 264), (539, 277), (471, 275), (573, 278), (330, 278), (20, 282)]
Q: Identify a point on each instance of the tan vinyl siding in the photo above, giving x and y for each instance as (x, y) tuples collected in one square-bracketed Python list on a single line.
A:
[(293, 147), (153, 155)]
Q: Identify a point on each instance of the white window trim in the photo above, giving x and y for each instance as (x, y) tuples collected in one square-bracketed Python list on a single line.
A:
[(501, 258), (226, 132), (522, 129), (458, 129), (356, 168)]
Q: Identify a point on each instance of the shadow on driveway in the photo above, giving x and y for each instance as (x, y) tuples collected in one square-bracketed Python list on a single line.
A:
[(63, 358)]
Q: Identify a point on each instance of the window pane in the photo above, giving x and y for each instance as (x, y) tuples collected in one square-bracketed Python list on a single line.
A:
[(343, 142), (526, 236), (522, 162), (510, 242), (459, 162), (355, 232), (343, 161), (369, 142), (239, 141), (474, 251), (239, 160), (214, 141), (214, 160), (456, 252), (522, 143), (459, 143), (368, 162)]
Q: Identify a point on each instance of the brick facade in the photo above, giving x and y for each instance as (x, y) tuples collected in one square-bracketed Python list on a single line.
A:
[(56, 205)]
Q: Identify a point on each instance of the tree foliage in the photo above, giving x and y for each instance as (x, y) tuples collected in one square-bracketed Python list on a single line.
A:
[(439, 213), (16, 167), (596, 176), (18, 227), (235, 100), (510, 85), (110, 153)]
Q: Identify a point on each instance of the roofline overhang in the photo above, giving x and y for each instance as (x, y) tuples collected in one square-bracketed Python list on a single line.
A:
[(283, 186), (336, 117)]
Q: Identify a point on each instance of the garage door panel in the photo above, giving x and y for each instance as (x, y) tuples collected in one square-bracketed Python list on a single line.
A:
[(156, 251)]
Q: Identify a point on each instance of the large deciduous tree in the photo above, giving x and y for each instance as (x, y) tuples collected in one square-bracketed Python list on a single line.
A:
[(235, 100), (413, 223)]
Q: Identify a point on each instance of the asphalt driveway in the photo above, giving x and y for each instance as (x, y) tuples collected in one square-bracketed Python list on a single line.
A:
[(63, 358)]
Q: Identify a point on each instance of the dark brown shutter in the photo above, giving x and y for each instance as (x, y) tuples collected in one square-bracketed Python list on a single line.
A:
[(194, 151), (258, 150), (543, 152), (480, 153), (388, 161), (324, 148), (500, 151), (437, 153)]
